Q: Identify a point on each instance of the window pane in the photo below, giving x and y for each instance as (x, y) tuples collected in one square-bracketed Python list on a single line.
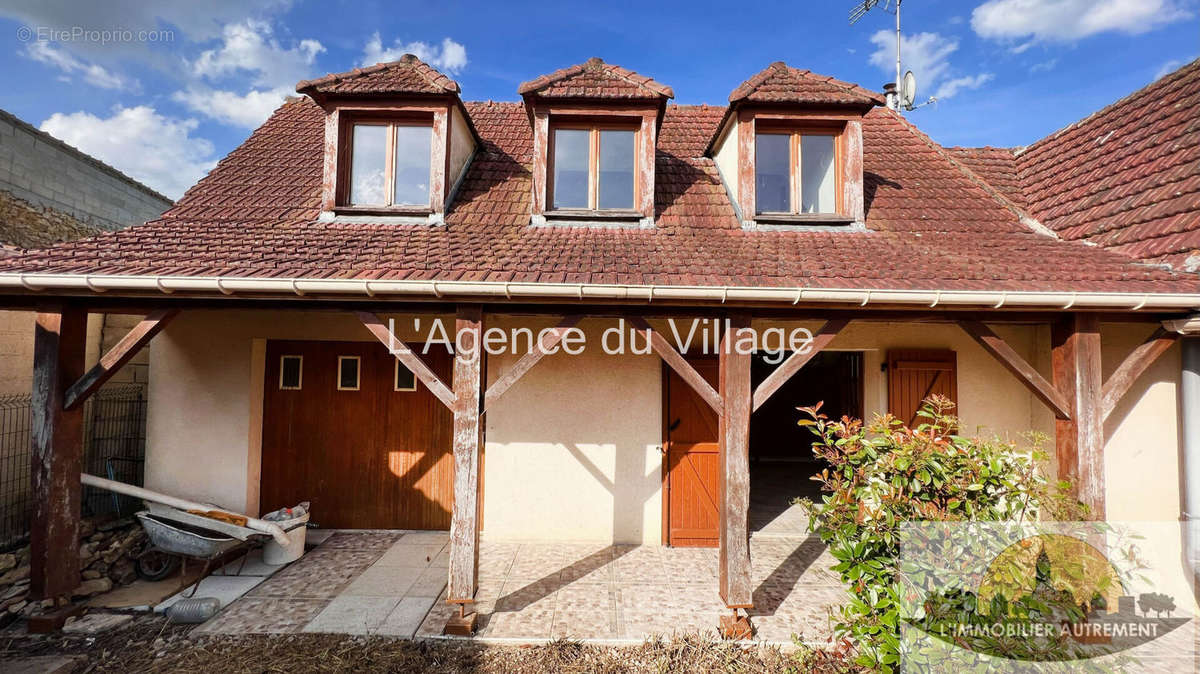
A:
[(412, 165), (616, 169), (571, 168), (366, 170), (772, 175), (816, 175), (289, 372), (405, 379), (348, 373)]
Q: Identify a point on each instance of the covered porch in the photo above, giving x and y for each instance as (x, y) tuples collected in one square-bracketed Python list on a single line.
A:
[(530, 590)]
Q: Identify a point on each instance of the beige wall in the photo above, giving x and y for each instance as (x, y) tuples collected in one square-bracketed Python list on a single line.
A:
[(726, 158), (462, 145), (16, 349)]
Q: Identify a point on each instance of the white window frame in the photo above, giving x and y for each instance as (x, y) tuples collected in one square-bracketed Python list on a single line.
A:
[(357, 370), (396, 377), (300, 381)]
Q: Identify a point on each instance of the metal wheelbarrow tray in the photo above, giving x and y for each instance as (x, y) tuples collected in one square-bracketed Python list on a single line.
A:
[(180, 538)]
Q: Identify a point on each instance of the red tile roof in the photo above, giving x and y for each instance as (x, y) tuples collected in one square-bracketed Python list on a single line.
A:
[(595, 79), (409, 75), (931, 225), (996, 165), (1128, 177), (780, 83)]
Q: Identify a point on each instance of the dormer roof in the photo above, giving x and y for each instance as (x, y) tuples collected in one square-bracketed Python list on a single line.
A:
[(409, 75), (780, 83), (595, 79)]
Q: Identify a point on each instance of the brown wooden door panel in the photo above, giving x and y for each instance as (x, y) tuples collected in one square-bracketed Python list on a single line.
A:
[(371, 458), (916, 374), (693, 462)]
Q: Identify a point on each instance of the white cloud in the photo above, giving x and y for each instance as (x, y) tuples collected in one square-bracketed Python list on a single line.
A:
[(245, 110), (1067, 20), (928, 56), (1167, 68), (96, 75), (247, 47), (157, 150), (1044, 66), (450, 57)]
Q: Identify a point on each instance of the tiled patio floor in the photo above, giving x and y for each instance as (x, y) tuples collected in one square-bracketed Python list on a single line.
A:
[(393, 584)]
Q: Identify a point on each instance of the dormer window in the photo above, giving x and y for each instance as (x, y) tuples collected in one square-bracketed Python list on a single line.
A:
[(593, 167), (796, 172), (398, 140), (594, 131), (789, 150), (389, 164)]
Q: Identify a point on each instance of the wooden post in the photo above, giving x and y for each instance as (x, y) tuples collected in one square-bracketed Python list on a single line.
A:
[(464, 523), (1079, 441), (57, 461), (734, 538)]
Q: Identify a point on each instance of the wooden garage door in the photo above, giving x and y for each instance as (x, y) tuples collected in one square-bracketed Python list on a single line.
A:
[(916, 374), (693, 478), (371, 457)]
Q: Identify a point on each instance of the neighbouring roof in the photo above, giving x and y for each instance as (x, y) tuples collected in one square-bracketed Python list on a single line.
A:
[(1126, 178), (595, 79), (24, 225), (409, 75), (780, 83), (930, 224)]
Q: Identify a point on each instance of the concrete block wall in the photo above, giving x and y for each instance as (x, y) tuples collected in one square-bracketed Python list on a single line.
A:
[(47, 172)]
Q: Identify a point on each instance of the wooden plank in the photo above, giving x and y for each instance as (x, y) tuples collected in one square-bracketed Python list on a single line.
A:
[(406, 355), (734, 539), (121, 353), (1014, 363), (916, 374), (59, 346), (464, 522), (1134, 366), (1079, 440), (546, 341), (678, 363), (797, 360)]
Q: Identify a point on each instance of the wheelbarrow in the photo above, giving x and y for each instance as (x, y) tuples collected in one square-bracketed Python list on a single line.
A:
[(180, 530)]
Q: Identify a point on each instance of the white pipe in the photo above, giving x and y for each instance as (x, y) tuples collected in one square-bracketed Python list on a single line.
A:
[(276, 532), (510, 290)]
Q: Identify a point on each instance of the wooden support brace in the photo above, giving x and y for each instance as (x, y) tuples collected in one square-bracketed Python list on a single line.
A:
[(59, 349), (121, 353), (464, 525), (679, 364), (797, 360), (734, 428), (409, 357), (1134, 366), (547, 340), (1014, 363), (1079, 439)]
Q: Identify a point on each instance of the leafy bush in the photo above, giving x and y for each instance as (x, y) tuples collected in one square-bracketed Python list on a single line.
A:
[(885, 474)]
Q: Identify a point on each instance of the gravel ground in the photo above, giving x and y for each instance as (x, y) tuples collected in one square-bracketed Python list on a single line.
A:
[(150, 644)]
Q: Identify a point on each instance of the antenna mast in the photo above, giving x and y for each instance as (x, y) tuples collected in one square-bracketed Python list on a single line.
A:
[(857, 13)]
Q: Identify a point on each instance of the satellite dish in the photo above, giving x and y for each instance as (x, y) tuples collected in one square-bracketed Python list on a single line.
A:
[(908, 90)]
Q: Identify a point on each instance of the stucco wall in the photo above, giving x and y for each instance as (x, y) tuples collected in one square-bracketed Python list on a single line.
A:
[(462, 145), (726, 158)]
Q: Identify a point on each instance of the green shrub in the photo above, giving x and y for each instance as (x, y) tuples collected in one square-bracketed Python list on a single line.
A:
[(885, 474)]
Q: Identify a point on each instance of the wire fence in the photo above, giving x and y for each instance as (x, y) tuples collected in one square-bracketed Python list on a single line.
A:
[(114, 447)]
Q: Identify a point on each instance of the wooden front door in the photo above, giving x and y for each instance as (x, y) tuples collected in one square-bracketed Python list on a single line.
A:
[(369, 454), (916, 374), (693, 479)]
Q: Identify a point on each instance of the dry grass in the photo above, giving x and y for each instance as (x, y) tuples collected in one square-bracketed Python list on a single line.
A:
[(149, 644)]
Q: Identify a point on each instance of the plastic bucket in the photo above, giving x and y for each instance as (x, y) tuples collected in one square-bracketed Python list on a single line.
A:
[(274, 553)]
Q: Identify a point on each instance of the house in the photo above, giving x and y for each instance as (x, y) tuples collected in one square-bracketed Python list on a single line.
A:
[(290, 297)]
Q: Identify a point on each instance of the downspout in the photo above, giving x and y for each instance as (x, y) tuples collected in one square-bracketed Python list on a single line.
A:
[(1189, 448)]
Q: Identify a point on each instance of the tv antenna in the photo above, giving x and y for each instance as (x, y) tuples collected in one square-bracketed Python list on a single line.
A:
[(860, 10)]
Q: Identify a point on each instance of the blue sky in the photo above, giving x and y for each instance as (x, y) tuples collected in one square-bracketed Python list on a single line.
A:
[(178, 85)]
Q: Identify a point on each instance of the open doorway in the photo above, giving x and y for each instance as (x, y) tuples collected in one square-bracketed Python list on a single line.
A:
[(781, 459)]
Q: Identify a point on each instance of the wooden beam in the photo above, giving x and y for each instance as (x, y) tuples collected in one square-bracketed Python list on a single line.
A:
[(1028, 375), (734, 539), (464, 524), (59, 347), (121, 353), (678, 363), (1079, 440), (797, 360), (547, 340), (1134, 366), (409, 357)]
